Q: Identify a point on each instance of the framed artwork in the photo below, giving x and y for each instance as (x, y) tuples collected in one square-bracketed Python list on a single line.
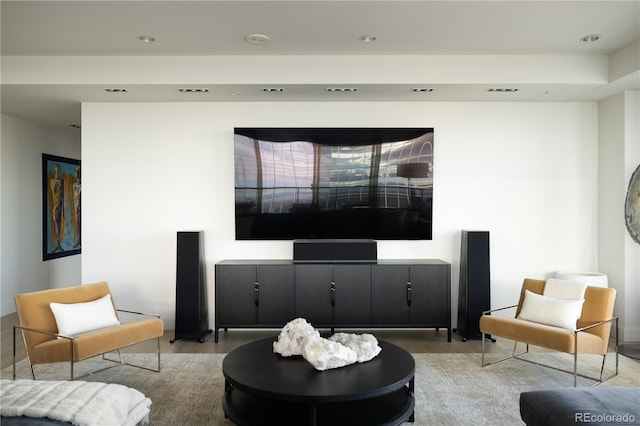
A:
[(60, 207), (632, 206)]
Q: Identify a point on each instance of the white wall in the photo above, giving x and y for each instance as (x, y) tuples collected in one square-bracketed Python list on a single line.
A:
[(631, 329), (619, 255), (527, 172), (22, 269)]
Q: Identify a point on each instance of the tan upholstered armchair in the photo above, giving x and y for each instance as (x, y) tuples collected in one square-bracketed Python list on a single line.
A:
[(589, 336), (90, 325)]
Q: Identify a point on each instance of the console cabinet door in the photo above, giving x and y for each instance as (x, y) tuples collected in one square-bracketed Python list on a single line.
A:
[(276, 299), (385, 294), (313, 294), (352, 294), (389, 298), (431, 295), (235, 295)]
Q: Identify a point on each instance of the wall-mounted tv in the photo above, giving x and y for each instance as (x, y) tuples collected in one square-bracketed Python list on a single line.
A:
[(333, 183)]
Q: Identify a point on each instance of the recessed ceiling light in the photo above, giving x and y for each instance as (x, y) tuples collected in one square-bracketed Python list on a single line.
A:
[(368, 38), (257, 38), (115, 90), (590, 38), (192, 90), (146, 39)]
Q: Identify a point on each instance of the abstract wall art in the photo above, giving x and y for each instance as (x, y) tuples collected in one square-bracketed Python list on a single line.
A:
[(61, 202)]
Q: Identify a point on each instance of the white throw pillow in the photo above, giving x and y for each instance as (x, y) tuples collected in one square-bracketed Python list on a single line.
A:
[(75, 318), (550, 311)]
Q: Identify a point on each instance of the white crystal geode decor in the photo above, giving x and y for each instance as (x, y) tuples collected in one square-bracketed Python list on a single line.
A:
[(293, 336), (325, 354), (298, 337), (364, 345)]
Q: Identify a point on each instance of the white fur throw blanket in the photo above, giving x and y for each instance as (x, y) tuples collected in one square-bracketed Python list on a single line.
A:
[(77, 402)]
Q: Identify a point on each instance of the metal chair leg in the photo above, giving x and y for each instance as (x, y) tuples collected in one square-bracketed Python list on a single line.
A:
[(33, 374), (575, 359), (14, 353), (158, 340)]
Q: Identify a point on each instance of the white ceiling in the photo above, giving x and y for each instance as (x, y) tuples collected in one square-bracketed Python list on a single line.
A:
[(88, 29)]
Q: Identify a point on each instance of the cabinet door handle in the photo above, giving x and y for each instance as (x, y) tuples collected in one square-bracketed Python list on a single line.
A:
[(333, 293), (256, 293), (409, 293)]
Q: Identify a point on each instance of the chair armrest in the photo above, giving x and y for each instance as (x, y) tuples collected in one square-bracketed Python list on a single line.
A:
[(36, 330), (498, 309), (597, 324), (138, 313), (575, 340)]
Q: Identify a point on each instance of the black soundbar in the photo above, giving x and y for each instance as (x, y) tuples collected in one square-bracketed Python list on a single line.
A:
[(347, 251)]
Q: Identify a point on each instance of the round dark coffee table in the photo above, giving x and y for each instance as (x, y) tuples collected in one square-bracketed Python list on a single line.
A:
[(262, 387)]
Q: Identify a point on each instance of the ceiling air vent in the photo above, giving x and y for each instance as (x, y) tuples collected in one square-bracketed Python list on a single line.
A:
[(193, 90), (503, 89), (342, 89), (272, 89), (422, 89)]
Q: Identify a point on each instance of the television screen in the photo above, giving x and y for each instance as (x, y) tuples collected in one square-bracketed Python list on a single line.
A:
[(333, 183)]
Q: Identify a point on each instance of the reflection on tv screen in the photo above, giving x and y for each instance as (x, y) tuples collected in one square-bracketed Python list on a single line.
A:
[(374, 183)]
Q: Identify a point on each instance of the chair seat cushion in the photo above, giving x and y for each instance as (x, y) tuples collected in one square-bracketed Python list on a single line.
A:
[(601, 405), (560, 339), (92, 343)]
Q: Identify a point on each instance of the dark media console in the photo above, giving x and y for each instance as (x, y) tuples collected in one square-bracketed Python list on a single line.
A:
[(333, 294)]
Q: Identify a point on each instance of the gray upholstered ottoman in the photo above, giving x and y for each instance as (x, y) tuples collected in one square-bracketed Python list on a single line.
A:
[(600, 405)]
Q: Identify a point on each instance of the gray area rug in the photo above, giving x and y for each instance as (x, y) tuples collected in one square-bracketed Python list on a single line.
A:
[(451, 389)]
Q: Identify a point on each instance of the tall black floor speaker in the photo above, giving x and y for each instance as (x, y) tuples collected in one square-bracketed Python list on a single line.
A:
[(475, 283), (192, 316)]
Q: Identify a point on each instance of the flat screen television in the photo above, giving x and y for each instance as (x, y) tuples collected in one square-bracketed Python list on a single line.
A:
[(333, 183)]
